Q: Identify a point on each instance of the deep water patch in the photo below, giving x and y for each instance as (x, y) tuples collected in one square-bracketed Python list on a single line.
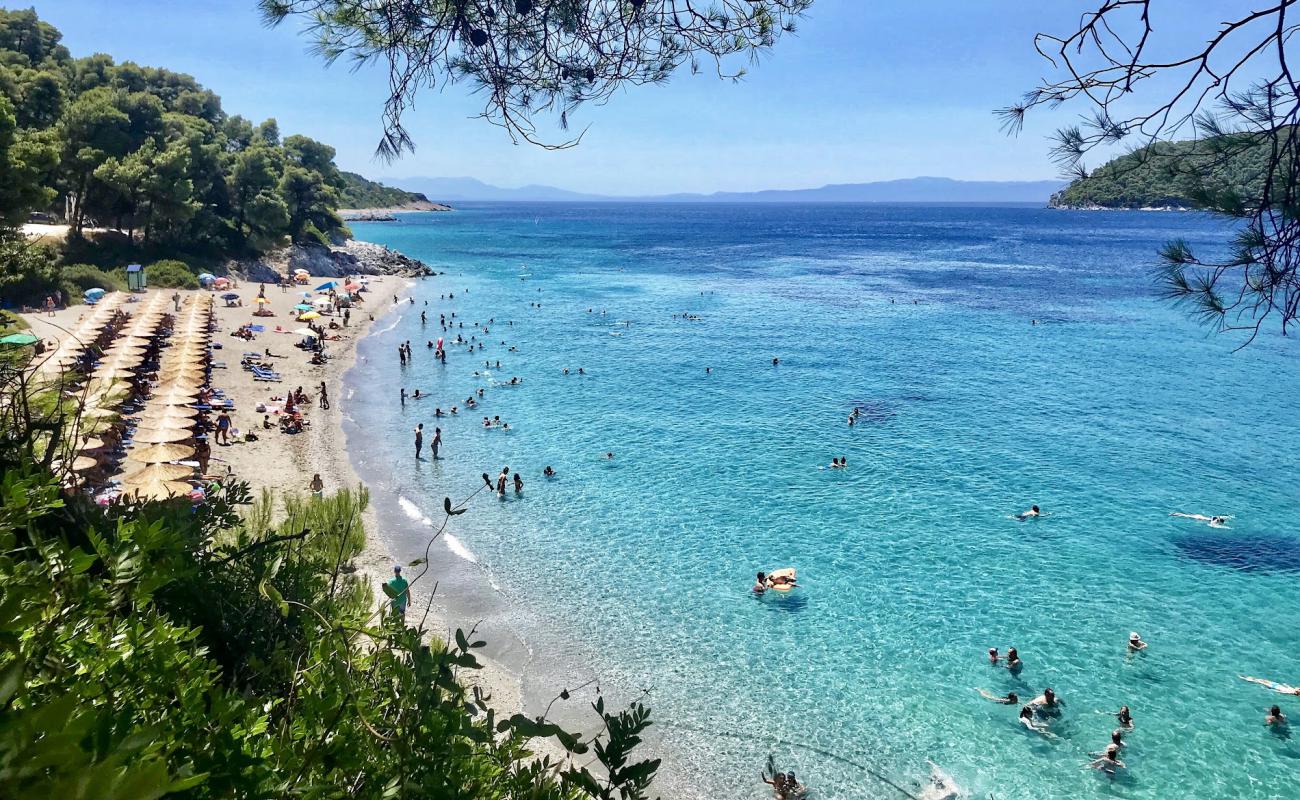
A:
[(1260, 552)]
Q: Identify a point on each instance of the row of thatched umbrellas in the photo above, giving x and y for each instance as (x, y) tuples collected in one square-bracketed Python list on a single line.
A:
[(167, 423), (87, 331)]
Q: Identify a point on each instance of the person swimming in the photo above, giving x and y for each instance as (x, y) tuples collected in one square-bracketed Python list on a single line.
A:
[(760, 583), (1027, 719), (1125, 718), (993, 656), (548, 472), (1010, 699), (1107, 762), (1135, 643), (1031, 513), (1280, 688), (1046, 703), (1217, 521), (1276, 719), (1013, 660)]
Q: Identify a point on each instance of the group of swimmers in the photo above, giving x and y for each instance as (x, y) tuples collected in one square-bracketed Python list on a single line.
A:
[(785, 786), (1038, 714)]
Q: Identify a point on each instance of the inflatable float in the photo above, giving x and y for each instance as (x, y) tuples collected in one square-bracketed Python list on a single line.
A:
[(781, 580)]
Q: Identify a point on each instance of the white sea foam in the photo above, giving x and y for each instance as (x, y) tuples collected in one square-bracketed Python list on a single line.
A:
[(396, 318), (456, 546)]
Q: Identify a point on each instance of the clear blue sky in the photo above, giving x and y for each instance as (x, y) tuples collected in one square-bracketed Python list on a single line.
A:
[(864, 91)]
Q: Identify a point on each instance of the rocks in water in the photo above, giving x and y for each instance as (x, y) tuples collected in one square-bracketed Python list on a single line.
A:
[(349, 258)]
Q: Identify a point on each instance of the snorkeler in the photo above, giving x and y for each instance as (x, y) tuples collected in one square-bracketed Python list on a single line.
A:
[(1010, 699)]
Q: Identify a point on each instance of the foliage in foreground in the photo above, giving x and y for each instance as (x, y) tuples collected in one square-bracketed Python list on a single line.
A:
[(159, 650)]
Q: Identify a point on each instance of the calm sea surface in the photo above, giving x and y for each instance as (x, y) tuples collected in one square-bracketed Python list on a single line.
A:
[(1111, 412)]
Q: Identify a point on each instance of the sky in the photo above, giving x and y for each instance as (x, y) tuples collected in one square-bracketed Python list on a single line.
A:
[(863, 91)]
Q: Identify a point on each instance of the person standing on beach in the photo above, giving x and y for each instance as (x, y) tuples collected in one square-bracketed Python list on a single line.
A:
[(436, 444), (419, 438), (176, 300), (324, 396), (202, 453), (347, 316), (400, 591), (223, 428)]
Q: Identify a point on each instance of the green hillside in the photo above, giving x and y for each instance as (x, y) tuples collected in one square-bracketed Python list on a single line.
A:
[(1178, 174), (360, 192)]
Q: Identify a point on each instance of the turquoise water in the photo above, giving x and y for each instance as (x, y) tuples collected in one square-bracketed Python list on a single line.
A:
[(1112, 412)]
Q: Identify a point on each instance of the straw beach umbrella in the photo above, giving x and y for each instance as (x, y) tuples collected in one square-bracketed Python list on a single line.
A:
[(157, 490), (84, 463), (178, 397), (159, 472), (160, 453), (90, 443), (163, 435)]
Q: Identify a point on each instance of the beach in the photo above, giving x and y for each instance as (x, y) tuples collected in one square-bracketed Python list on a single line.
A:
[(284, 463)]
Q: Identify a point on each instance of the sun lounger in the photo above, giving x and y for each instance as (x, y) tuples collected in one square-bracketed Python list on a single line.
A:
[(265, 374)]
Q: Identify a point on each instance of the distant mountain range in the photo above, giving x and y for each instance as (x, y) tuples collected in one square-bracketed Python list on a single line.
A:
[(908, 190)]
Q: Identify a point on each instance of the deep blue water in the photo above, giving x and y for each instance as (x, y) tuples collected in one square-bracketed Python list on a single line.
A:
[(1110, 413)]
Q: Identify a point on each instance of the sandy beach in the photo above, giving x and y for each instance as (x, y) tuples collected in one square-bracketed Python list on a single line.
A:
[(285, 463)]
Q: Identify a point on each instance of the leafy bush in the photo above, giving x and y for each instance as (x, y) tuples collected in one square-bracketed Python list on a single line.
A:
[(77, 278), (171, 274)]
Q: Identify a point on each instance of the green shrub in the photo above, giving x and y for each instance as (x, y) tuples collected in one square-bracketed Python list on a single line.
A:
[(171, 274), (77, 278)]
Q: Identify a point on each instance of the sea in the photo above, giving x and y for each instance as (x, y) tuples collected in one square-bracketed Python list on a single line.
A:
[(1000, 357)]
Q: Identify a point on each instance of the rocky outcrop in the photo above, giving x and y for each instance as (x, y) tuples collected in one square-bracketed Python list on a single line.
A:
[(349, 258)]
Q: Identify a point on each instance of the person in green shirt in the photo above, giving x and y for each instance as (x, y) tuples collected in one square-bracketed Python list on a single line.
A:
[(399, 589)]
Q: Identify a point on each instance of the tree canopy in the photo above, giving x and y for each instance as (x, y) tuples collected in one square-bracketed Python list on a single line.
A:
[(149, 152)]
